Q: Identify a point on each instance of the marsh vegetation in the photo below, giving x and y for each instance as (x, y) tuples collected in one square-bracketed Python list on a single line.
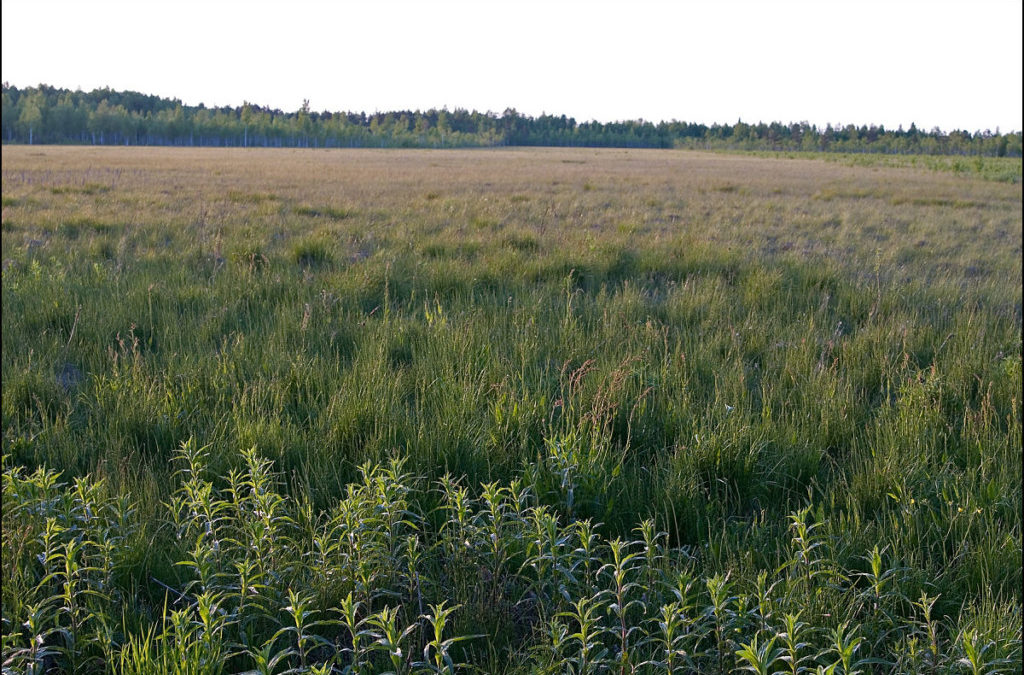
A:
[(520, 410)]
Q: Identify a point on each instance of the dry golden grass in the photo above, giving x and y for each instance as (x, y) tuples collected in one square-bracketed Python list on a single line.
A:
[(861, 216)]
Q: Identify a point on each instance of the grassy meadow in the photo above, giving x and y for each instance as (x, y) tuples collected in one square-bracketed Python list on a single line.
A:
[(508, 411)]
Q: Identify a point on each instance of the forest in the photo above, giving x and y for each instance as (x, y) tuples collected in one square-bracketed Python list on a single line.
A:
[(50, 115)]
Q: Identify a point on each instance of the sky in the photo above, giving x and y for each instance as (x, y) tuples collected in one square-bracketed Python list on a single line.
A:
[(952, 65)]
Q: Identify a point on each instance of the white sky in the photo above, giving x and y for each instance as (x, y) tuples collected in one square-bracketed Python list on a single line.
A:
[(955, 65)]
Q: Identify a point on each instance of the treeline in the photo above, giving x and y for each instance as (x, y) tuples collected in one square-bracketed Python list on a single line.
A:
[(46, 114)]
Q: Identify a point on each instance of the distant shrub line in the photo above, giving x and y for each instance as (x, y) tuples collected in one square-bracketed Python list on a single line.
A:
[(46, 114)]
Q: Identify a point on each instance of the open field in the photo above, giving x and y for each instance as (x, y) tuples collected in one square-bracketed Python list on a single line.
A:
[(623, 410)]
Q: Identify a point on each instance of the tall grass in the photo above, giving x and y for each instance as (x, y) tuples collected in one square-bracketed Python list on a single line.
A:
[(526, 411)]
